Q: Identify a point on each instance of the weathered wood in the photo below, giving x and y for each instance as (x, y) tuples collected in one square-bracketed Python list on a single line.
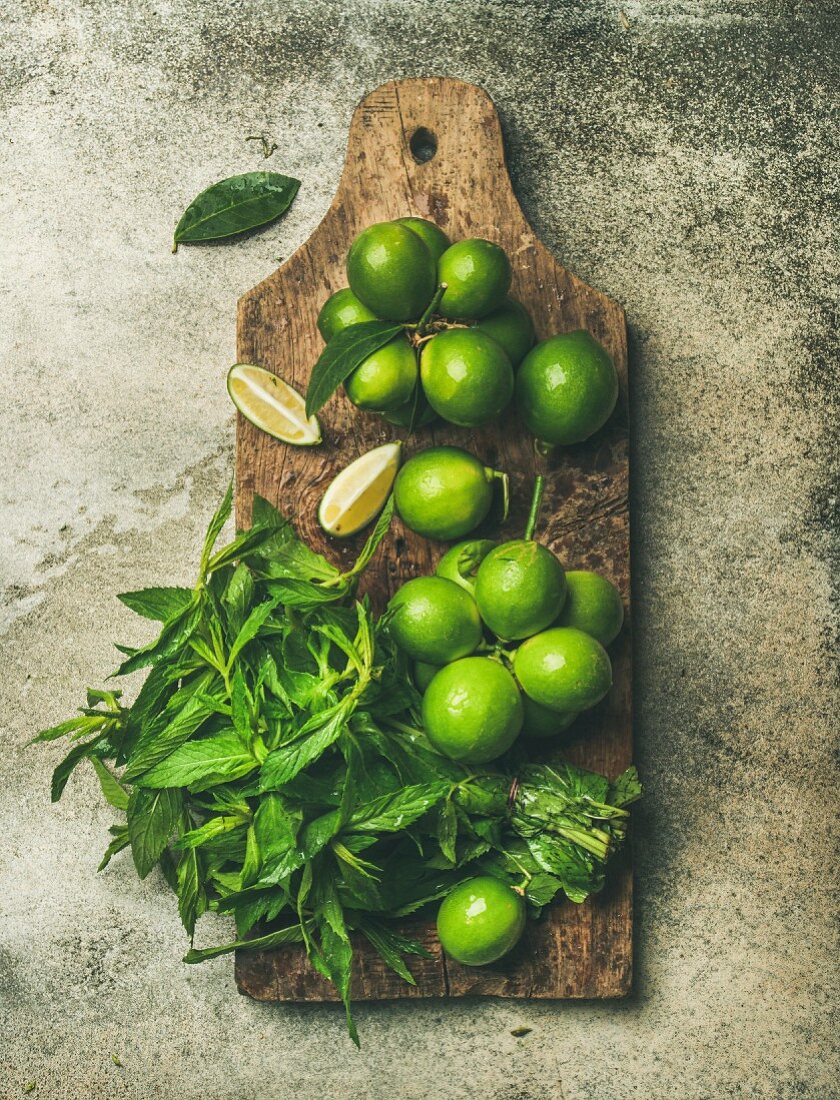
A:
[(578, 951)]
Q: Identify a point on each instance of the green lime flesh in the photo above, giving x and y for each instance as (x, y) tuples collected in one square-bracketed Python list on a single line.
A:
[(391, 271), (340, 311), (461, 562), (434, 620), (520, 588), (563, 669), (467, 377), (423, 674), (443, 493), (386, 379), (480, 920), (477, 276), (472, 710), (593, 604), (434, 238), (511, 327), (541, 722), (566, 388)]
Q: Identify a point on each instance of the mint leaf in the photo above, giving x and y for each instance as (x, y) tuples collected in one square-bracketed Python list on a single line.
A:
[(217, 758), (159, 604), (113, 790), (152, 818), (398, 810), (292, 934)]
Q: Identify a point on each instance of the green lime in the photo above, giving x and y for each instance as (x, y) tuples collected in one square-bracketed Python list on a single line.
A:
[(386, 379), (563, 669), (542, 722), (443, 492), (424, 674), (467, 376), (512, 327), (461, 562), (340, 311), (519, 589), (477, 277), (391, 270), (434, 620), (435, 239), (593, 604), (472, 710), (402, 416), (566, 388), (480, 920)]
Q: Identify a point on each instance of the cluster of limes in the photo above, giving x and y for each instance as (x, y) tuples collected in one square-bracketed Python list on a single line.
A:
[(504, 642), (464, 338)]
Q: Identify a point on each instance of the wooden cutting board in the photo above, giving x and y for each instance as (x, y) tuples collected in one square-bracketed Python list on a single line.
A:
[(433, 147)]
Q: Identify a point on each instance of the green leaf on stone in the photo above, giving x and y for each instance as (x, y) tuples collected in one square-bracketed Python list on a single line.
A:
[(235, 205)]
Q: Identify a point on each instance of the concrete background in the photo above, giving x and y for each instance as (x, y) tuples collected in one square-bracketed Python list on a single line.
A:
[(677, 155)]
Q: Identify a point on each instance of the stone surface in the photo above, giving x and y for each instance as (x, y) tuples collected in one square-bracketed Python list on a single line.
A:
[(676, 156)]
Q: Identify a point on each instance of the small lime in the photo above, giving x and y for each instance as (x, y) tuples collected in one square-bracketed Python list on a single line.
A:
[(386, 379), (566, 388), (391, 270), (542, 722), (467, 376), (477, 276), (593, 604), (563, 669), (512, 327), (424, 674), (472, 710), (340, 311), (461, 562), (434, 238), (519, 589), (443, 492), (480, 920), (434, 620)]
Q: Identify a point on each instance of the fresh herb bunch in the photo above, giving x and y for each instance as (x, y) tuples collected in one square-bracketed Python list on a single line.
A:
[(272, 764)]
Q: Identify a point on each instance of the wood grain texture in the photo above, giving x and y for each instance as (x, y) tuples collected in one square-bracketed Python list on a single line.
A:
[(579, 950)]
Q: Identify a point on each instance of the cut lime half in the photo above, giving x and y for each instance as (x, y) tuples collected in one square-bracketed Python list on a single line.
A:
[(272, 405), (358, 494)]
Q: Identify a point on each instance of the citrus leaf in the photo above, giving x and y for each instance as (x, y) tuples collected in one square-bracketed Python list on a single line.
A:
[(342, 355), (235, 205)]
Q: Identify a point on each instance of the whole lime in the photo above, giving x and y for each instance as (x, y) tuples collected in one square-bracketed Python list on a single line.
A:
[(443, 492), (461, 562), (423, 674), (472, 710), (477, 276), (480, 920), (391, 271), (593, 604), (434, 620), (542, 722), (520, 588), (340, 311), (566, 388), (386, 379), (433, 237), (512, 327), (403, 414), (563, 669), (467, 376)]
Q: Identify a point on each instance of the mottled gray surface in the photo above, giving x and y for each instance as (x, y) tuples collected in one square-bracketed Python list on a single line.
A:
[(677, 155)]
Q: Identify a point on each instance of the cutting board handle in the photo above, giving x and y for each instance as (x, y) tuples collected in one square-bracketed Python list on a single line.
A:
[(442, 140)]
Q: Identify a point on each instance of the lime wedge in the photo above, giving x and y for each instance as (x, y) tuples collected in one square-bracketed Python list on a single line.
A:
[(357, 495), (272, 405)]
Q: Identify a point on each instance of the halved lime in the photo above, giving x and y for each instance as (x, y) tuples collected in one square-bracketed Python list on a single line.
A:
[(357, 495), (272, 405)]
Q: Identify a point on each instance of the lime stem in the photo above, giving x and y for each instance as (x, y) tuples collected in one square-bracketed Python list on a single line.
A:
[(536, 501), (435, 302), (504, 479)]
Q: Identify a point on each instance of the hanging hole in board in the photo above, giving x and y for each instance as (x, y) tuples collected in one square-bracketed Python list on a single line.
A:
[(423, 145)]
